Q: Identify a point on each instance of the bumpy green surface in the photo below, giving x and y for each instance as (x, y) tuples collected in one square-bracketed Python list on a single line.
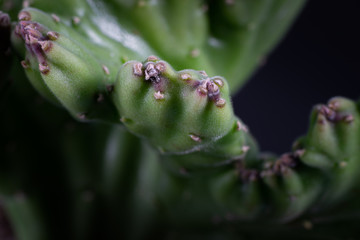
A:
[(192, 169)]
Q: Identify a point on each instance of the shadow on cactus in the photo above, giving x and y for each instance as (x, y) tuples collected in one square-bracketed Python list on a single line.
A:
[(161, 154)]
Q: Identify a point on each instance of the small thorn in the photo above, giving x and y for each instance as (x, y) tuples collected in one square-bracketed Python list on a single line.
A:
[(220, 102), (321, 119), (185, 76), (299, 153), (203, 73), (212, 87), (152, 58), (308, 225), (82, 116), (195, 53), (25, 64), (35, 33), (100, 98), (75, 20), (348, 118), (195, 138), (160, 66), (218, 82), (202, 88), (27, 39), (241, 127), (328, 113), (245, 148), (268, 164), (52, 35), (45, 45), (105, 69), (137, 69), (151, 73), (44, 69), (158, 95), (24, 16), (342, 164), (334, 104), (55, 17), (32, 40)]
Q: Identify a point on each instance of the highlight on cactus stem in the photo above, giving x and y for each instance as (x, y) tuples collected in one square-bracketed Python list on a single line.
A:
[(150, 150)]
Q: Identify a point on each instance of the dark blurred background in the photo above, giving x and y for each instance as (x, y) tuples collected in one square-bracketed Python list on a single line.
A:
[(319, 58)]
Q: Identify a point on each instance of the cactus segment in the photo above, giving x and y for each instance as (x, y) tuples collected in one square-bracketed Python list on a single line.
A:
[(178, 111), (333, 144), (186, 114)]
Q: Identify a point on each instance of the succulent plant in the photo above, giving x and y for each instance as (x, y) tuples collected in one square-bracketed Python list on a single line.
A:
[(132, 133)]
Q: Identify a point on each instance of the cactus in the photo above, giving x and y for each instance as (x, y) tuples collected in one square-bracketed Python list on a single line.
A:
[(152, 147)]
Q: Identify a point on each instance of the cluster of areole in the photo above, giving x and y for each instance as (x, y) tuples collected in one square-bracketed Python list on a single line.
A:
[(150, 98), (152, 71), (35, 41)]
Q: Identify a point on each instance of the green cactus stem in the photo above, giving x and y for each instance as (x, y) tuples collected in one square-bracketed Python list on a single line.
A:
[(171, 157)]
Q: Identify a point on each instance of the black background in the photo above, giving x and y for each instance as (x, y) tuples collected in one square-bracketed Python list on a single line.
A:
[(319, 58)]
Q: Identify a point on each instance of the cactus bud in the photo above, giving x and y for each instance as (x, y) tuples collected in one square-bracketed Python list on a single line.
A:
[(140, 86)]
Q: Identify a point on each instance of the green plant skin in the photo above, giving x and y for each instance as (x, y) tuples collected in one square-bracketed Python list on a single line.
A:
[(221, 184)]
